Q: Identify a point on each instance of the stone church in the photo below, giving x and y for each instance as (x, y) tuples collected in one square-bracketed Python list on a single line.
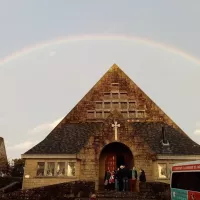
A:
[(115, 123)]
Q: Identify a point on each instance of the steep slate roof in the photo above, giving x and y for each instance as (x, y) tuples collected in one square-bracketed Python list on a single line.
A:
[(68, 139), (72, 137), (179, 144)]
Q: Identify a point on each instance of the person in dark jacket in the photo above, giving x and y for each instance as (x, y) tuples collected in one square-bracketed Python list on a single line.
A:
[(120, 178), (142, 177), (116, 179), (126, 175), (106, 179)]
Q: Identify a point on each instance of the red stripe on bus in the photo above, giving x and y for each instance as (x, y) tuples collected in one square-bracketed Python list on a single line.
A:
[(186, 167)]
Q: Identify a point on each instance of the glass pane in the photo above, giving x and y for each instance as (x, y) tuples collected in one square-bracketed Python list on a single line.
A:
[(132, 114), (115, 86), (50, 168), (125, 114), (140, 114), (115, 105), (90, 114), (60, 171), (186, 181), (106, 114), (131, 105), (107, 95), (98, 114), (71, 169), (162, 170), (98, 105), (123, 105), (115, 95), (123, 95), (107, 105), (40, 169)]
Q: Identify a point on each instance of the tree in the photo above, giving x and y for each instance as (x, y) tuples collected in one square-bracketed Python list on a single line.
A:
[(18, 167)]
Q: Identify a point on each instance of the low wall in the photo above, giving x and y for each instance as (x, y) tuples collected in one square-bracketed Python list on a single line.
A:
[(159, 189), (4, 181), (53, 192)]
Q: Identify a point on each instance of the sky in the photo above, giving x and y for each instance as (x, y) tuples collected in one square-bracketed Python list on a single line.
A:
[(155, 42)]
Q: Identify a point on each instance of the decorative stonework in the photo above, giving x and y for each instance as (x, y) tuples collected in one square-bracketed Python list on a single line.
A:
[(116, 91)]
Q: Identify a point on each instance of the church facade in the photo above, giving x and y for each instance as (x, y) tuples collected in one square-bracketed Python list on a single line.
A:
[(115, 123)]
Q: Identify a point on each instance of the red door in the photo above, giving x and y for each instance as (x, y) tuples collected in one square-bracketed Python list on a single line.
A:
[(110, 162)]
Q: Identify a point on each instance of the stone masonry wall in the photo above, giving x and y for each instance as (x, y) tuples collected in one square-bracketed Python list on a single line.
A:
[(91, 153), (116, 75)]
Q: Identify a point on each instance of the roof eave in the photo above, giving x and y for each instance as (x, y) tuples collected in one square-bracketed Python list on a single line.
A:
[(177, 157), (47, 156)]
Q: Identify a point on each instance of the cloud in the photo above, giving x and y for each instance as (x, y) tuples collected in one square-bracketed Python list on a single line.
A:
[(22, 146), (44, 128), (197, 132), (52, 53)]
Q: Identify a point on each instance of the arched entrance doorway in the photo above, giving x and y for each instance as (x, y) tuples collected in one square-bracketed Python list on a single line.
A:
[(112, 156)]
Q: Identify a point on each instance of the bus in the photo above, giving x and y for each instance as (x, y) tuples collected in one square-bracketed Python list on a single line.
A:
[(185, 181)]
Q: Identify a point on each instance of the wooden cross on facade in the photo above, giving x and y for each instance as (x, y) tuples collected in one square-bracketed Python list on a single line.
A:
[(115, 126)]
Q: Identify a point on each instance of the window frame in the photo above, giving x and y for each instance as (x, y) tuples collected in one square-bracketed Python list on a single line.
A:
[(162, 178), (55, 173)]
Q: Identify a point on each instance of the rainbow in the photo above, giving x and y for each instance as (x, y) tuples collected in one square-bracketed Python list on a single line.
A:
[(145, 41)]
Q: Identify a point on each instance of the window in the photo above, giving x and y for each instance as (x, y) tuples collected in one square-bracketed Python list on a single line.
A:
[(115, 86), (125, 114), (60, 170), (50, 168), (123, 95), (98, 105), (115, 105), (131, 105), (106, 114), (106, 105), (115, 95), (140, 114), (40, 168), (107, 95), (186, 181), (71, 169), (98, 114), (132, 114), (162, 170), (90, 114), (123, 105)]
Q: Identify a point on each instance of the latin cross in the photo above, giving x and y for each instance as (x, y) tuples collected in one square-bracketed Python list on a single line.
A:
[(115, 126)]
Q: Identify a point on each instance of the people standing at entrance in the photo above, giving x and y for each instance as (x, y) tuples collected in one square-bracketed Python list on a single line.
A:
[(133, 179), (142, 177), (116, 179), (112, 181), (106, 179), (125, 175), (120, 178)]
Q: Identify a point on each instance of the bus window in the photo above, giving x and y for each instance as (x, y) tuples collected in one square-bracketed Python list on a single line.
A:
[(186, 181)]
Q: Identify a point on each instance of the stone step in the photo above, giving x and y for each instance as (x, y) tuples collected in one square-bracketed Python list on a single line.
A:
[(125, 198)]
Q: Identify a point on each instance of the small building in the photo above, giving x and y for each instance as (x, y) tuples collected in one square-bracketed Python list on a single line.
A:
[(115, 123)]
